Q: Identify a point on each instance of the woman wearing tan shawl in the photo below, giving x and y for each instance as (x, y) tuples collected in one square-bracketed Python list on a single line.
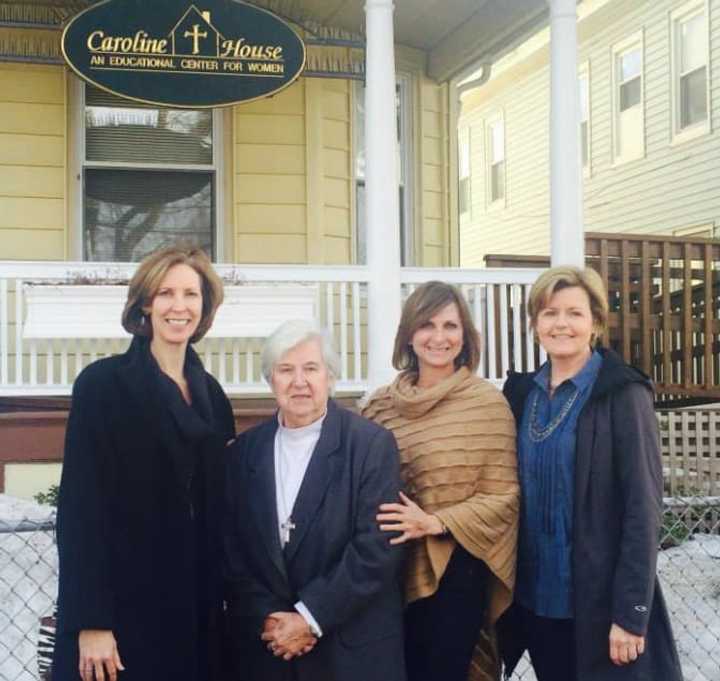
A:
[(459, 513)]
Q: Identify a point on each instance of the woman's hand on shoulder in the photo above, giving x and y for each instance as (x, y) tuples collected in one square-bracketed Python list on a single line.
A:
[(99, 656), (408, 519), (624, 646)]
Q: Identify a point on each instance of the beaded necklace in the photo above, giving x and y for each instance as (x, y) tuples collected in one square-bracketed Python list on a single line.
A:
[(538, 434)]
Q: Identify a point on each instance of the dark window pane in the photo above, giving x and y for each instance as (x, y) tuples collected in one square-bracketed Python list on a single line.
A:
[(130, 213), (693, 101), (464, 195), (360, 223), (630, 94), (497, 181), (361, 235)]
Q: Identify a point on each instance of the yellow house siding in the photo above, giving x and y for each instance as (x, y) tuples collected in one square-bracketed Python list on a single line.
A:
[(277, 160), (313, 172), (336, 160), (269, 183), (292, 182), (289, 189), (32, 162), (432, 163)]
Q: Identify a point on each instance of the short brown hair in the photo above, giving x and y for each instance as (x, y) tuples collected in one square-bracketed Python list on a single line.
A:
[(425, 302), (146, 281), (557, 278)]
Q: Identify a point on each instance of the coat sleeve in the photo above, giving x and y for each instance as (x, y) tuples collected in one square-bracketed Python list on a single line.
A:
[(636, 449), (85, 595), (369, 564), (249, 602)]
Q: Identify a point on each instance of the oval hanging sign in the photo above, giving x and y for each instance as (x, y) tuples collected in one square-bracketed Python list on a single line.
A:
[(183, 54)]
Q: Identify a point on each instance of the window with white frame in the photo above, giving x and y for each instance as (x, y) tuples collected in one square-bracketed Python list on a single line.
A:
[(689, 37), (404, 166), (628, 100), (464, 196), (149, 177), (495, 154), (584, 90)]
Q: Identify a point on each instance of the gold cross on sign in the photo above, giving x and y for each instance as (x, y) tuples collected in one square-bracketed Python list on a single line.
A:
[(195, 34)]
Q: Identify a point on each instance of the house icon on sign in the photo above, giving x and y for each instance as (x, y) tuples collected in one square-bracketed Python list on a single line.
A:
[(195, 36)]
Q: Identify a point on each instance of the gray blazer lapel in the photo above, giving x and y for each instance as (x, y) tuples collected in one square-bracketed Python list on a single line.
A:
[(265, 504), (316, 481)]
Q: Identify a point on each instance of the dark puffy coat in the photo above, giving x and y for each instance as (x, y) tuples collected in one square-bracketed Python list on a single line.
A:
[(616, 524), (138, 554)]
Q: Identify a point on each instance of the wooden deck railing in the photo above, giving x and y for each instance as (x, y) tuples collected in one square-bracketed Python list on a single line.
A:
[(664, 300), (664, 295)]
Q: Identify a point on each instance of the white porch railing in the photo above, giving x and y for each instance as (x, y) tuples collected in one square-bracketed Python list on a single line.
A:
[(45, 341)]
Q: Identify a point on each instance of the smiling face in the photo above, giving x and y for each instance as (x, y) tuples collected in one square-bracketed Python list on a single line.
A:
[(438, 342), (301, 384), (565, 325), (176, 308)]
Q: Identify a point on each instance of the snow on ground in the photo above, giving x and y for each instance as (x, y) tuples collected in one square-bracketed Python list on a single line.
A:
[(690, 579), (690, 576), (28, 584)]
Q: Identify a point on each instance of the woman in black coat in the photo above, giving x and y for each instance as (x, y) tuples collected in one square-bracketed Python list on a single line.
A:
[(588, 605), (140, 588)]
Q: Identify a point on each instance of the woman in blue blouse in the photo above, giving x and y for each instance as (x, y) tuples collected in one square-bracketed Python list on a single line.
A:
[(587, 603)]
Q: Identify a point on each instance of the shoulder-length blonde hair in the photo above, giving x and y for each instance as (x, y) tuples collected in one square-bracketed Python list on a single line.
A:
[(557, 278), (149, 275), (422, 304)]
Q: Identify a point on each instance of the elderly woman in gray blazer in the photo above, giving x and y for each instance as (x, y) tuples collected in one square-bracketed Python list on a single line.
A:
[(313, 588)]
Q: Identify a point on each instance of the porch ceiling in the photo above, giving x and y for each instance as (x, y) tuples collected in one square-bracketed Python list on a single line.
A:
[(453, 33)]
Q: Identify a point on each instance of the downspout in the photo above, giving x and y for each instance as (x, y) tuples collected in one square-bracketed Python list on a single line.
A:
[(472, 84)]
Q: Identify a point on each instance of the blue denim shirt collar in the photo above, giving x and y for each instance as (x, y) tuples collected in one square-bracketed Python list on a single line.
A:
[(581, 380)]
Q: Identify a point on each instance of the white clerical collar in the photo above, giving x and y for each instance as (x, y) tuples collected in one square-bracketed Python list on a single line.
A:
[(301, 432)]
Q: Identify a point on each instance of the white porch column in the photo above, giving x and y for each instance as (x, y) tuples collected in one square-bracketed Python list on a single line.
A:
[(382, 210), (567, 242)]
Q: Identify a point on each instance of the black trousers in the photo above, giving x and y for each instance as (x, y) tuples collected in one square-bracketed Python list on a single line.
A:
[(442, 630), (551, 644)]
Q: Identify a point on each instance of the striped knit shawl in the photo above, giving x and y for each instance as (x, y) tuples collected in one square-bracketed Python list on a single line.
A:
[(457, 450)]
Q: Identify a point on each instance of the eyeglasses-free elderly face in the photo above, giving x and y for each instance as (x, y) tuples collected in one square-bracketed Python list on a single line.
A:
[(301, 384)]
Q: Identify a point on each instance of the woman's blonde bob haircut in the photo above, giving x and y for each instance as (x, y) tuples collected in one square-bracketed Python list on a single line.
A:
[(149, 275), (557, 278), (422, 304)]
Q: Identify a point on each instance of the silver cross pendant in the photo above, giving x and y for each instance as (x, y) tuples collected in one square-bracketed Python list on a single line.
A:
[(285, 529)]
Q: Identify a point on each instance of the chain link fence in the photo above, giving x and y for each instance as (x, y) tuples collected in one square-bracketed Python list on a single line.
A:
[(28, 587), (688, 565)]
